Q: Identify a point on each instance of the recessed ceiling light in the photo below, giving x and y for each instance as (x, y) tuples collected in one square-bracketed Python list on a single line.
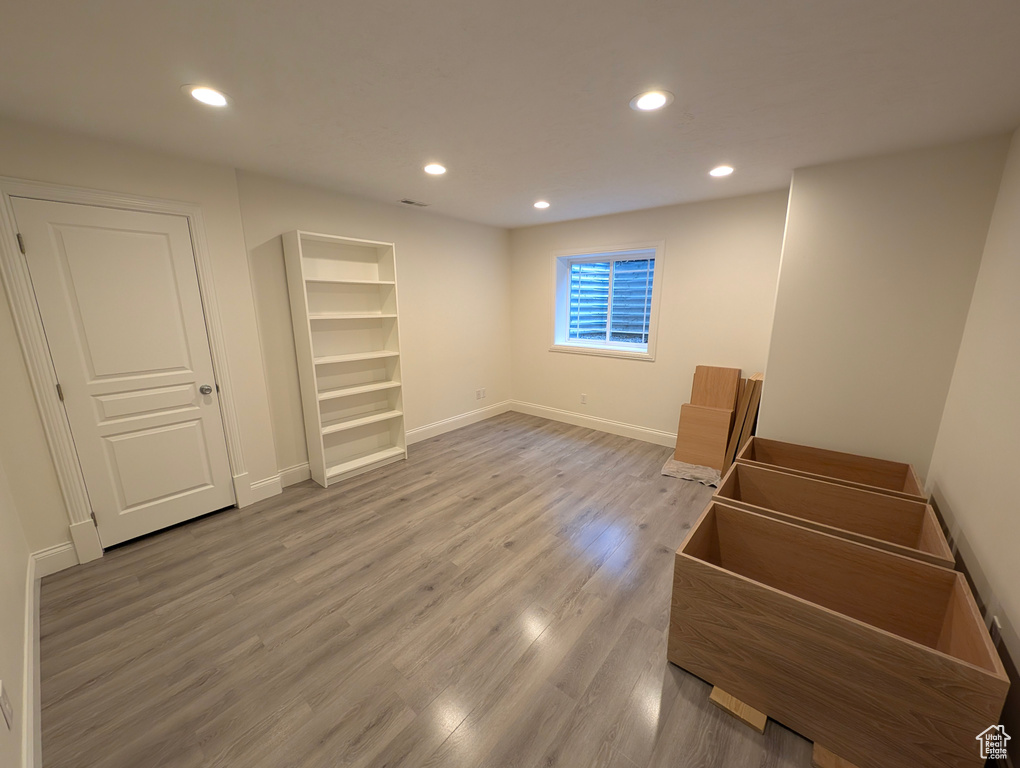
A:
[(651, 100), (435, 169), (206, 95), (542, 204), (720, 170)]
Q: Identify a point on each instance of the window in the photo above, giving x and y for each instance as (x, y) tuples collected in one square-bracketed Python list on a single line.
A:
[(605, 302)]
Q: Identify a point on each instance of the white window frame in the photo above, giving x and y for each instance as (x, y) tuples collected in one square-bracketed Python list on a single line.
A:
[(561, 305)]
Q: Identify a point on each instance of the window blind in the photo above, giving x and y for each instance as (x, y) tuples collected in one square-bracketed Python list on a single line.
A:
[(610, 301)]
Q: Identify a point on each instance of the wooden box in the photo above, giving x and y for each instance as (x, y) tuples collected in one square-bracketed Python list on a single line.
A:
[(879, 520), (880, 658), (891, 477)]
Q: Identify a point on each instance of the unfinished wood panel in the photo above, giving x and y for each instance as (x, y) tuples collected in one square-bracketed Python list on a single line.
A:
[(823, 758), (702, 434), (715, 387), (743, 402), (888, 522), (843, 643), (892, 477), (747, 715), (754, 400)]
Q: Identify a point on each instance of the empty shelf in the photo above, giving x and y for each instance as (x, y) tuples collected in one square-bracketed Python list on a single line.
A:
[(361, 389), (351, 316), (347, 282), (356, 356), (363, 461), (360, 421)]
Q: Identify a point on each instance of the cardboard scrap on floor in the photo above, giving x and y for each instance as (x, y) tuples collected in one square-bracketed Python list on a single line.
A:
[(719, 419)]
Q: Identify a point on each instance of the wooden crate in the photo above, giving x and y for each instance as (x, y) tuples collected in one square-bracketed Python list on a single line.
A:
[(877, 519), (882, 659), (891, 477)]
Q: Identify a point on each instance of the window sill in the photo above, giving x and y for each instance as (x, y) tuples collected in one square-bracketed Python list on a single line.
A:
[(576, 349)]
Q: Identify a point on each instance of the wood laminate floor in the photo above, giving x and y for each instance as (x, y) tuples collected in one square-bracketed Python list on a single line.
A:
[(500, 599)]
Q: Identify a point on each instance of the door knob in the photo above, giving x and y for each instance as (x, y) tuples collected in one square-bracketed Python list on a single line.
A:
[(205, 389)]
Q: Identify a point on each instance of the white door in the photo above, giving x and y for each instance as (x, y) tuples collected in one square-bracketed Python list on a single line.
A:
[(119, 299)]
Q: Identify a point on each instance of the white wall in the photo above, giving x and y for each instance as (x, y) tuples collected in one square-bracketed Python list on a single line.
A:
[(23, 448), (13, 572), (719, 272), (973, 469), (41, 154), (454, 304), (878, 268)]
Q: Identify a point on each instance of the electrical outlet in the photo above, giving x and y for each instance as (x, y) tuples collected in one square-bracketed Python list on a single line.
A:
[(483, 393), (5, 705), (584, 399), (478, 394)]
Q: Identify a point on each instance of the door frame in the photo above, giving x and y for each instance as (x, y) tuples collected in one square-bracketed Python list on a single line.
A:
[(28, 322)]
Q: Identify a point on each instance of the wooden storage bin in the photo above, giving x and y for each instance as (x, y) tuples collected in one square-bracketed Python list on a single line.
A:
[(879, 520), (891, 477), (882, 659)]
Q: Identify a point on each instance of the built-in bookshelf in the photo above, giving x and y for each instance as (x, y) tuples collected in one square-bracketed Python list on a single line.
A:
[(343, 300)]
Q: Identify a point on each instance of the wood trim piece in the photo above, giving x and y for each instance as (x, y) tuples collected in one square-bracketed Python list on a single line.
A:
[(755, 383), (879, 520), (889, 477), (31, 702), (28, 323), (743, 403), (749, 716), (850, 646), (217, 344), (665, 439), (823, 758), (54, 559)]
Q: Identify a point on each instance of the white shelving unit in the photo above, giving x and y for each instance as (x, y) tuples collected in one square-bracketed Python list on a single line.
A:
[(343, 299)]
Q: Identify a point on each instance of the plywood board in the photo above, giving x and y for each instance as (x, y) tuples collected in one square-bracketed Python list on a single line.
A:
[(734, 706), (702, 434), (755, 384), (743, 402), (823, 758), (715, 387)]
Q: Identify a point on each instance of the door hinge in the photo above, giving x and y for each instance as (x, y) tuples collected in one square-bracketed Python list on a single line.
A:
[(60, 392), (21, 242), (217, 389), (93, 516)]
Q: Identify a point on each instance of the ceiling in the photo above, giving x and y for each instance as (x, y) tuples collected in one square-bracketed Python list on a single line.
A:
[(520, 100)]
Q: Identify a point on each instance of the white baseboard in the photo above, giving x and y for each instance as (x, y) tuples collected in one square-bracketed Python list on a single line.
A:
[(456, 422), (54, 559), (294, 475), (265, 489), (667, 439), (31, 710)]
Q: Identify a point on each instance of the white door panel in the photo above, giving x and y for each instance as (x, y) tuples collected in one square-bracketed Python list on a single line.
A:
[(119, 298)]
